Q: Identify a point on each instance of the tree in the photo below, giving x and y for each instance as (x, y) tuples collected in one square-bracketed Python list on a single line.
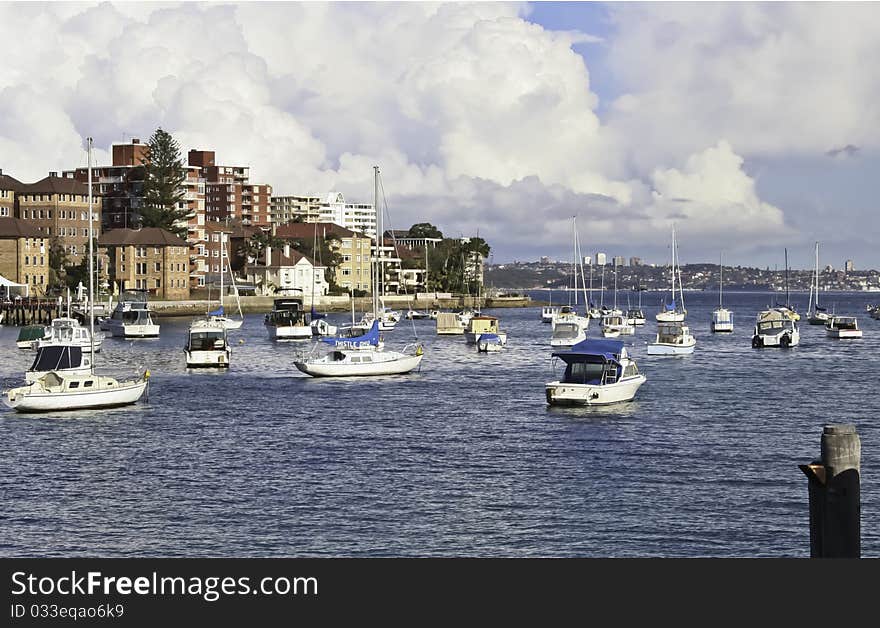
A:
[(163, 185), (424, 230), (258, 242), (324, 253), (58, 263)]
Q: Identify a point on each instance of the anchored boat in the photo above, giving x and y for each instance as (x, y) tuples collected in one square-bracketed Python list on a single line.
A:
[(207, 344), (843, 327), (597, 372), (775, 327), (672, 339)]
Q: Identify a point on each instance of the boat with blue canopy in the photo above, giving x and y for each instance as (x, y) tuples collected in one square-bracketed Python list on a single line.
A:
[(597, 372)]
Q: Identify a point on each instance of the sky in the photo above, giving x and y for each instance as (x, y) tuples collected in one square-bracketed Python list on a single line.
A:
[(750, 128)]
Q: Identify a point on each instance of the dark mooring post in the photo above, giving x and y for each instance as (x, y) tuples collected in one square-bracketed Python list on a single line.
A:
[(835, 499)]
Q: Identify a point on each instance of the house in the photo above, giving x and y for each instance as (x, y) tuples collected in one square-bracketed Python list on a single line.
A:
[(286, 271), (24, 257), (354, 249)]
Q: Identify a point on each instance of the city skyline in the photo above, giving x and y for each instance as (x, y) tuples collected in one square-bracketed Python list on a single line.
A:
[(749, 126)]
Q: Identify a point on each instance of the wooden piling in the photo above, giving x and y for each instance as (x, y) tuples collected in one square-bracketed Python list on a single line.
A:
[(835, 494)]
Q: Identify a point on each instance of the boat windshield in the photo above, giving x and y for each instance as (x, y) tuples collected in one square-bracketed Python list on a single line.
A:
[(769, 327), (206, 340), (588, 372), (566, 331), (137, 317)]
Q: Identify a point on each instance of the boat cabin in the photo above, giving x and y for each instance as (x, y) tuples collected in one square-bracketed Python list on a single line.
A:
[(773, 322), (30, 333), (287, 311), (57, 358), (207, 339), (483, 325), (670, 333), (596, 363), (843, 322), (566, 331)]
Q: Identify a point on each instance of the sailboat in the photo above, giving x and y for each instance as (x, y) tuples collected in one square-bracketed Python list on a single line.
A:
[(219, 315), (816, 315), (722, 321), (614, 323), (636, 316), (568, 313), (673, 312), (363, 355), (787, 309), (60, 390)]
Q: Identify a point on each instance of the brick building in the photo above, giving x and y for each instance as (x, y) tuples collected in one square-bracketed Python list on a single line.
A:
[(148, 259), (229, 194), (24, 255), (59, 208)]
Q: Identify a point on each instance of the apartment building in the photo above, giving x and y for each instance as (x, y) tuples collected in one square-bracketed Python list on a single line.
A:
[(24, 255), (353, 272), (230, 196), (360, 217), (59, 208), (8, 187), (149, 259)]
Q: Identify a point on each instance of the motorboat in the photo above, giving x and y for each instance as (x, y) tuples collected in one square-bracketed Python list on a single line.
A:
[(322, 327), (207, 344), (483, 324), (635, 316), (722, 318), (548, 313), (775, 327), (843, 327), (28, 335), (412, 314), (614, 325), (567, 334), (449, 324), (288, 320), (132, 318), (63, 359), (673, 338), (68, 332), (489, 343), (597, 372)]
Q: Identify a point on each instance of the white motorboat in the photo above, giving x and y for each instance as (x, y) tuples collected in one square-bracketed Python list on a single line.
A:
[(68, 332), (672, 339), (597, 372), (673, 312), (449, 324), (567, 334), (287, 320), (483, 324), (843, 327), (60, 390), (207, 345), (28, 335), (412, 314), (488, 343), (568, 314), (363, 356), (635, 316), (816, 315), (132, 318), (614, 325), (321, 327), (775, 327), (63, 359)]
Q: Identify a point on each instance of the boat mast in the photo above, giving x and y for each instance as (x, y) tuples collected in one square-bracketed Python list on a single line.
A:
[(222, 268), (91, 269), (378, 264), (720, 280), (787, 301), (615, 284), (817, 275)]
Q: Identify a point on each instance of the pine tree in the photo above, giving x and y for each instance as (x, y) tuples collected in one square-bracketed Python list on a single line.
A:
[(163, 185)]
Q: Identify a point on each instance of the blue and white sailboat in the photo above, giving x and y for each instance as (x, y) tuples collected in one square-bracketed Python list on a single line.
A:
[(673, 312)]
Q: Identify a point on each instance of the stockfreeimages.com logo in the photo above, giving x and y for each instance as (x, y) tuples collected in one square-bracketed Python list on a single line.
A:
[(209, 588)]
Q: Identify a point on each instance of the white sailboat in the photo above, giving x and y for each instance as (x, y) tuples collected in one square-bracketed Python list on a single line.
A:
[(568, 313), (636, 316), (722, 319), (363, 356), (219, 315), (673, 312), (60, 390), (816, 315), (614, 323)]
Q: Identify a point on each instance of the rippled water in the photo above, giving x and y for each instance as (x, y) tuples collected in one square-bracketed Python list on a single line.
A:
[(463, 458)]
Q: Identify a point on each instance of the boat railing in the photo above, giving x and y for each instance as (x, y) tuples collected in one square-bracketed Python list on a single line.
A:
[(414, 348)]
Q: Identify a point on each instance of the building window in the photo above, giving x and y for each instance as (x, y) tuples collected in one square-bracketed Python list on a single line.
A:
[(158, 267), (158, 283)]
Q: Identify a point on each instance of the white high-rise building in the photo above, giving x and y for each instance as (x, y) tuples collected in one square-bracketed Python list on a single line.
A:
[(360, 217)]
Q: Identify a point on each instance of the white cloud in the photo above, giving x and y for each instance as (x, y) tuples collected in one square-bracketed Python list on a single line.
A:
[(479, 119)]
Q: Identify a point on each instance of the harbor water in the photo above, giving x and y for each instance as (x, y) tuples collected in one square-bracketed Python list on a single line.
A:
[(462, 458)]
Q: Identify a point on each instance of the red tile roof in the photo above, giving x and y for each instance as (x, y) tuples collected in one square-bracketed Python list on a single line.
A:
[(152, 236)]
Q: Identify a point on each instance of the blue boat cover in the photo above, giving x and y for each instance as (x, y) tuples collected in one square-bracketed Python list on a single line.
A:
[(217, 312), (369, 338), (604, 348), (670, 306), (316, 315), (489, 337)]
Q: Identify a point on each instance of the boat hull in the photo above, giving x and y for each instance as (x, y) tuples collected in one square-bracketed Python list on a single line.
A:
[(134, 331), (472, 337), (207, 359), (290, 332), (774, 340), (670, 317), (563, 394), (844, 333), (662, 348), (722, 327), (398, 366)]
